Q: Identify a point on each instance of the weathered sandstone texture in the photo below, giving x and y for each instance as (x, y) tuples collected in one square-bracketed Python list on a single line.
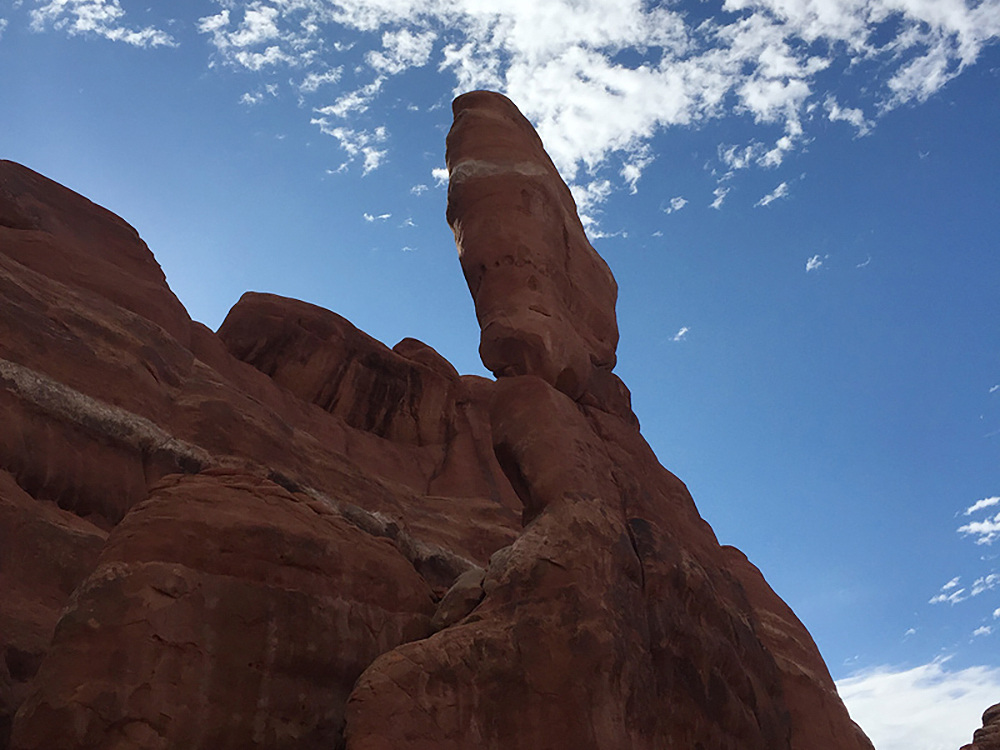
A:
[(988, 737), (545, 299), (286, 535)]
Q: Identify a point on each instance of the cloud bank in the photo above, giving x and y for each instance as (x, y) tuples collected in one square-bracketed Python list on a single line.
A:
[(927, 707), (568, 63), (779, 64)]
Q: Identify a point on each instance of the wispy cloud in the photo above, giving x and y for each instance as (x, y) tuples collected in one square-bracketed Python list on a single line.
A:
[(779, 192), (951, 597), (813, 263), (372, 218), (3, 25), (763, 59), (681, 334), (985, 531), (357, 143), (353, 102), (316, 79), (927, 707), (401, 50), (767, 61), (986, 502), (852, 115), (676, 204), (102, 18), (982, 630), (995, 388), (720, 194), (985, 583), (418, 189)]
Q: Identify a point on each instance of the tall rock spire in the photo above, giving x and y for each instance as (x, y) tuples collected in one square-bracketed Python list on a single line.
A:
[(545, 299)]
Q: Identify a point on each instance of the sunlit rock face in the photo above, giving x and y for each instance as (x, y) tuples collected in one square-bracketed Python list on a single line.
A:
[(287, 535), (545, 299), (988, 736)]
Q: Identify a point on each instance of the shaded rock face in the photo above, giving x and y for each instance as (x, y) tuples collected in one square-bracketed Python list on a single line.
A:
[(288, 535), (988, 737)]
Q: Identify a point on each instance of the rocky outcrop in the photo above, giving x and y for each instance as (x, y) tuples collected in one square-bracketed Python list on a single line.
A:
[(988, 737), (288, 535)]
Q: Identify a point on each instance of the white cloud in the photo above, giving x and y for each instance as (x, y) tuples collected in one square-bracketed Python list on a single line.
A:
[(779, 192), (3, 25), (852, 115), (440, 175), (996, 613), (813, 263), (986, 502), (371, 218), (986, 531), (632, 170), (995, 388), (985, 583), (101, 18), (676, 204), (401, 50), (358, 142), (418, 189), (589, 196), (867, 262), (982, 630), (681, 334), (926, 707), (720, 194), (909, 632), (354, 101), (767, 60), (314, 80), (954, 597)]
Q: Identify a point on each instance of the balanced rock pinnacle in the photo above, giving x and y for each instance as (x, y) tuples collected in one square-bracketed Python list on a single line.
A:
[(545, 299)]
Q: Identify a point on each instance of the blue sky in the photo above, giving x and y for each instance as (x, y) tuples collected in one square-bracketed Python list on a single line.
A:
[(797, 197)]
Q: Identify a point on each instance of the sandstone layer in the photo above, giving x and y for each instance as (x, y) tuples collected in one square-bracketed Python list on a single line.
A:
[(288, 535), (988, 736)]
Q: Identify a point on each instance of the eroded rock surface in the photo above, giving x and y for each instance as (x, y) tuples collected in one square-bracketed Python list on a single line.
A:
[(545, 299), (288, 535), (988, 736)]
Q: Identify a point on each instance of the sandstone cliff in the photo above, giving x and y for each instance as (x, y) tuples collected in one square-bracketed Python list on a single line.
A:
[(288, 535)]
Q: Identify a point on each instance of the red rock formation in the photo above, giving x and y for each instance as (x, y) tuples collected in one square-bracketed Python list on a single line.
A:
[(988, 737), (544, 298), (287, 535)]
